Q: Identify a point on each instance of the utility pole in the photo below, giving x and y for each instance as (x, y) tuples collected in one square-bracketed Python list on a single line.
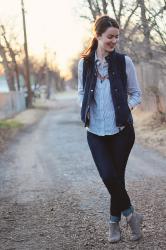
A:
[(27, 75)]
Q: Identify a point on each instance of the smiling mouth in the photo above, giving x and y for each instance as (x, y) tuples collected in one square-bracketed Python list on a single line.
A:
[(111, 46)]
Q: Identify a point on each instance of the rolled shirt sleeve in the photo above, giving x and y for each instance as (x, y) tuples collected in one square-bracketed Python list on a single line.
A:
[(80, 82), (133, 87)]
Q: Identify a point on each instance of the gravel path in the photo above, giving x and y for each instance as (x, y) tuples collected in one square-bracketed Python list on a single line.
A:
[(51, 196)]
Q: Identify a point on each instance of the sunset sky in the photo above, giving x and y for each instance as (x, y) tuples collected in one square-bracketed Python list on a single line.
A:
[(54, 24)]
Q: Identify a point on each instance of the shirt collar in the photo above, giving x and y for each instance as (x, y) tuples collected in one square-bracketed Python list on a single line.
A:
[(97, 61)]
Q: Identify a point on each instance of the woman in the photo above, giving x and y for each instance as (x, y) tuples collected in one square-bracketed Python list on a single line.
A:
[(108, 90)]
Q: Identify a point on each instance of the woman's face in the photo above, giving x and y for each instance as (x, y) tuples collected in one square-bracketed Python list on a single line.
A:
[(108, 39)]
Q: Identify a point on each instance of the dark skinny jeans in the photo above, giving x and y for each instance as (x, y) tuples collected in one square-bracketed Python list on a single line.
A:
[(110, 154)]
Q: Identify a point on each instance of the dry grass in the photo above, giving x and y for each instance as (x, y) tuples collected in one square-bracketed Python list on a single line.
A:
[(150, 131)]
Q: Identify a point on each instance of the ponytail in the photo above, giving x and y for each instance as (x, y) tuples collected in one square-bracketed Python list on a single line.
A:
[(91, 48)]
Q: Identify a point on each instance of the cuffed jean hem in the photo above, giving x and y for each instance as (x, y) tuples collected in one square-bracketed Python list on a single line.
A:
[(125, 213), (115, 218), (128, 211)]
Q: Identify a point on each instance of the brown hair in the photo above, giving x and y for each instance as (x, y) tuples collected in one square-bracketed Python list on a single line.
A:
[(100, 25)]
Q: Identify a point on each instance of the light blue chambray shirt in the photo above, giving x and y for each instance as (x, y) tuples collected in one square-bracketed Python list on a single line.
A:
[(102, 113)]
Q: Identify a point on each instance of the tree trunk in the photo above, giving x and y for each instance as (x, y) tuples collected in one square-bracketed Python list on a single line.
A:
[(146, 30)]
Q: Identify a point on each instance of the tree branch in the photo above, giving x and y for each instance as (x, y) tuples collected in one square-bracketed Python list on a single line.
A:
[(130, 16), (154, 16), (104, 4), (120, 11), (91, 9), (97, 7), (114, 10)]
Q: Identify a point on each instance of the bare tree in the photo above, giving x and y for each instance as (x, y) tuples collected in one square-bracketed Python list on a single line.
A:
[(7, 67), (104, 4), (156, 22), (117, 10), (13, 54), (146, 29), (6, 62), (139, 24)]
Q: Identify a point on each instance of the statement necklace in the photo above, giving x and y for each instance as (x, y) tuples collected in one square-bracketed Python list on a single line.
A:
[(102, 78)]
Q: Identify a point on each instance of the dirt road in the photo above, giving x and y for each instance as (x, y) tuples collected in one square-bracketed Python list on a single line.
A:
[(51, 196)]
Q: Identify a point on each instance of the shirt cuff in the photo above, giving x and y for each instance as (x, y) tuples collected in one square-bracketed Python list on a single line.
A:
[(131, 107)]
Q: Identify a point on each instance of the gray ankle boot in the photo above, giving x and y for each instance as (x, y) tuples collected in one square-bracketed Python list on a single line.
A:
[(135, 224), (114, 232)]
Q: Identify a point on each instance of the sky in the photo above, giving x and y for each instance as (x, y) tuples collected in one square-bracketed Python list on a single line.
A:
[(52, 25)]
